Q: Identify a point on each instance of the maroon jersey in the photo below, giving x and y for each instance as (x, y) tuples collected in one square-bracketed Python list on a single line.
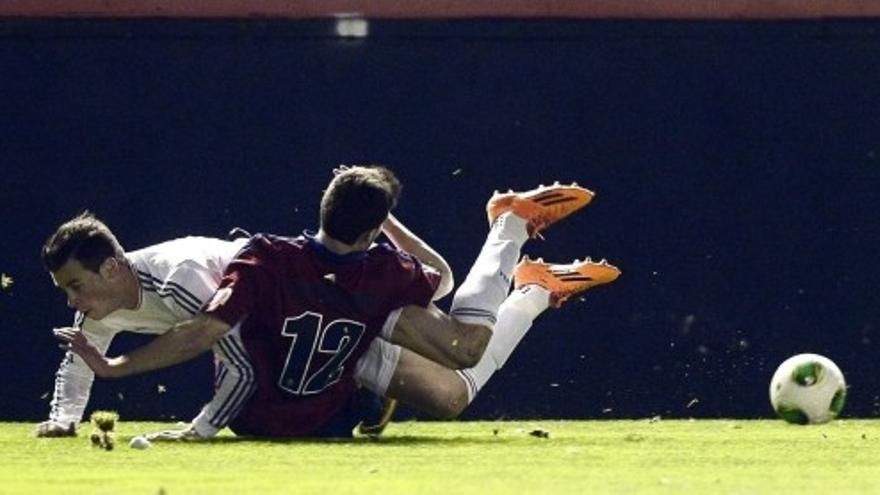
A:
[(306, 316)]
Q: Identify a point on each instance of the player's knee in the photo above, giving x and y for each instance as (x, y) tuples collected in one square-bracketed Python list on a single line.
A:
[(470, 344), (450, 402)]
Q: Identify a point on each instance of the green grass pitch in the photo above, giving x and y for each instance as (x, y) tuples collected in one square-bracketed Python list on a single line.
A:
[(577, 457)]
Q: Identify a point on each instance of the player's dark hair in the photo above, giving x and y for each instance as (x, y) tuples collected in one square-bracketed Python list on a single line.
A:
[(83, 238), (358, 200)]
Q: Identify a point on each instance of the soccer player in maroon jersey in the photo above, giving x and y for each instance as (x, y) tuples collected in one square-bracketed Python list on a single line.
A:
[(309, 307), (305, 309)]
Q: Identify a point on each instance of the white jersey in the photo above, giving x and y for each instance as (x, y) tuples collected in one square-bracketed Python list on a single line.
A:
[(176, 279)]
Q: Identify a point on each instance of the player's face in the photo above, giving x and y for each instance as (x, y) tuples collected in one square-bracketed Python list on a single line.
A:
[(91, 293)]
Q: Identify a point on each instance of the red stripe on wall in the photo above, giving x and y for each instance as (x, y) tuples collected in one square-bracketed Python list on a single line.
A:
[(446, 9)]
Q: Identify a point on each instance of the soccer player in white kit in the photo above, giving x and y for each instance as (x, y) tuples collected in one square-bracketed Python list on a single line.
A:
[(541, 285), (145, 291)]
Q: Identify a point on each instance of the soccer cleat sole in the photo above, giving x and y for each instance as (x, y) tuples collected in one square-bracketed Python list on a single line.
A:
[(564, 281), (542, 206)]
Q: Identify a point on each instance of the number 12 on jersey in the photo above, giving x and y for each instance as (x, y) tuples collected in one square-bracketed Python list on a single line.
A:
[(303, 374)]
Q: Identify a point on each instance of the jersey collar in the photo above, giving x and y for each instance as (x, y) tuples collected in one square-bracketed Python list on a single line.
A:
[(327, 255), (134, 272)]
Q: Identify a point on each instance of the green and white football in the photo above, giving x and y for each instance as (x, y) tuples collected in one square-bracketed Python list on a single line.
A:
[(808, 389)]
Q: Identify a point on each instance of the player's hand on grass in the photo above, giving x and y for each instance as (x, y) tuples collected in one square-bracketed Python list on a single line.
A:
[(187, 434), (72, 339), (52, 428)]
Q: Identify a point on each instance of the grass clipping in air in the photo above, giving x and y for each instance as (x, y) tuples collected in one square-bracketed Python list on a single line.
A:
[(103, 424)]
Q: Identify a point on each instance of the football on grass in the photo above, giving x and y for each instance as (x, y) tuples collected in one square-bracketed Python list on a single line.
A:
[(808, 389)]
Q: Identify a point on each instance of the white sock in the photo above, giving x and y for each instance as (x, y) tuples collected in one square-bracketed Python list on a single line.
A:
[(477, 299), (515, 318)]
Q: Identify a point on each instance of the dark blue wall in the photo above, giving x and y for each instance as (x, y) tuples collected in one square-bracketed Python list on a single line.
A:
[(737, 167)]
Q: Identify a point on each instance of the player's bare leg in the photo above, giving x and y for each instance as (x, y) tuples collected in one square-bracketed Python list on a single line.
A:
[(427, 386), (460, 339)]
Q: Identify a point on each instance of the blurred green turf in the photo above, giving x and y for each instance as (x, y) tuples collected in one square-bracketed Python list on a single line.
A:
[(454, 458)]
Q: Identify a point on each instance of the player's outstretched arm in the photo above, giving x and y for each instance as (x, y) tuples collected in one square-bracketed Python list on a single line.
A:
[(407, 241), (181, 343), (73, 384)]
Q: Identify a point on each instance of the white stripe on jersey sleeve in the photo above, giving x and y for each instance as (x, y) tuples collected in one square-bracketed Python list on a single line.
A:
[(236, 384)]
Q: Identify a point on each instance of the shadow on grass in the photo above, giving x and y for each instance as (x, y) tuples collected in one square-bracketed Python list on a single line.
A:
[(389, 441)]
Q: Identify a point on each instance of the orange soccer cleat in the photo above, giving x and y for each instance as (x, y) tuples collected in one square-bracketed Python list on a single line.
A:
[(542, 206), (564, 281)]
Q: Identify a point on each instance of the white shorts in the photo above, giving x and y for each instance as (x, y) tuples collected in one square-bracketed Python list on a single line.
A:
[(376, 367)]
